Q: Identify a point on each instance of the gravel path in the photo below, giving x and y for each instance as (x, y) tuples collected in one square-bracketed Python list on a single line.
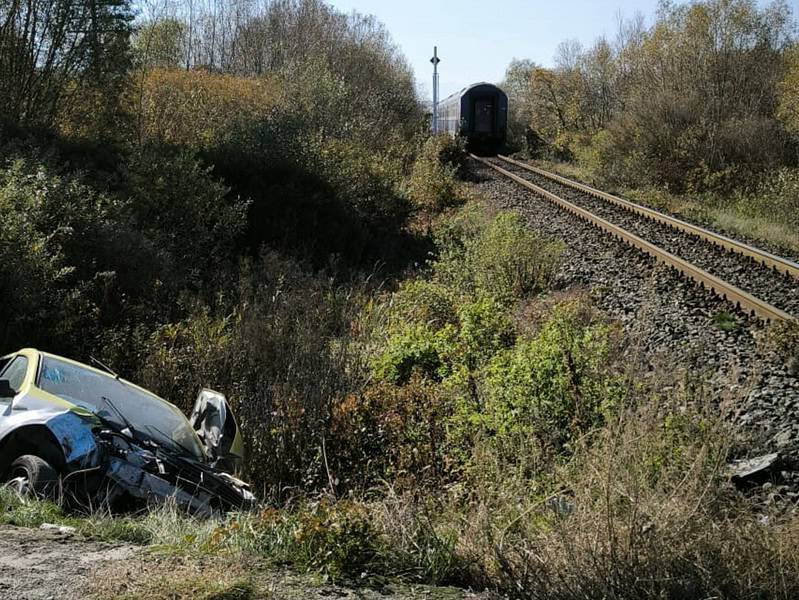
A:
[(670, 318), (745, 273)]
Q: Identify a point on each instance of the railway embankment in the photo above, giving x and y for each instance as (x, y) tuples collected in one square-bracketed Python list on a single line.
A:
[(673, 319)]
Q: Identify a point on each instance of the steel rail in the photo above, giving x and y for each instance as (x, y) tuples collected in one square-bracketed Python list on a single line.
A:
[(740, 298), (773, 261)]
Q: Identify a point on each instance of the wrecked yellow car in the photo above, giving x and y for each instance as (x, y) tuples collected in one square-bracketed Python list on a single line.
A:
[(87, 434)]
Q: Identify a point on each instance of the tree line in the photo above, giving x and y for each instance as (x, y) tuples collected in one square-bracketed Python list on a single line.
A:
[(148, 150), (700, 99)]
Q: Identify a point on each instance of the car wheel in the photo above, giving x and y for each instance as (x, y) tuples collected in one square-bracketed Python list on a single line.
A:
[(30, 475)]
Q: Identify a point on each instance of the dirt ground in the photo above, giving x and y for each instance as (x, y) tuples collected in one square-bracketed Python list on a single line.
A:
[(184, 578), (40, 564)]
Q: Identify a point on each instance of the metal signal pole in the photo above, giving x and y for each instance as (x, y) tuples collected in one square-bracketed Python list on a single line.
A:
[(435, 60)]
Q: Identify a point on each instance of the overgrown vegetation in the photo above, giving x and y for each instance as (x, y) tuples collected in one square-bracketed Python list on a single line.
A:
[(487, 435), (245, 198), (702, 104)]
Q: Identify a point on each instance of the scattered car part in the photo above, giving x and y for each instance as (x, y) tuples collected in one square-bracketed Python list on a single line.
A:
[(755, 471), (216, 427)]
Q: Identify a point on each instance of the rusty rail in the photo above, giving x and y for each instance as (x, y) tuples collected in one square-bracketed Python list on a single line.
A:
[(731, 293), (773, 261)]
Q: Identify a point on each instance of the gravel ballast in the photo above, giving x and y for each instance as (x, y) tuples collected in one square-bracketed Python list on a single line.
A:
[(671, 319), (777, 289)]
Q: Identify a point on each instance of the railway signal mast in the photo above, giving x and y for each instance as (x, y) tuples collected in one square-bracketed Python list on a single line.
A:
[(435, 60)]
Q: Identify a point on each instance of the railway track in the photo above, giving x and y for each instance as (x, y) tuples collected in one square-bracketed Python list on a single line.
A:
[(757, 282)]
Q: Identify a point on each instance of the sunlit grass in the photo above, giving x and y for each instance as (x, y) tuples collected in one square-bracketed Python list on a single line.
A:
[(737, 218)]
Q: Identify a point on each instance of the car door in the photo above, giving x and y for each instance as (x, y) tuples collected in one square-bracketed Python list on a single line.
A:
[(218, 430)]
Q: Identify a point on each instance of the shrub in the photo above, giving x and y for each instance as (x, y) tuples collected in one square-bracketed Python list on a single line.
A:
[(186, 212), (63, 246), (425, 302), (441, 334), (509, 261), (367, 184), (415, 349), (457, 231), (93, 252), (333, 539), (314, 195), (432, 185), (504, 258), (557, 385), (776, 197), (197, 109), (617, 527), (391, 433), (485, 330), (329, 538), (279, 349)]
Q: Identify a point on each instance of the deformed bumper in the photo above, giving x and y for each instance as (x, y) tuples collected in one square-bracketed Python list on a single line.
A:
[(156, 477)]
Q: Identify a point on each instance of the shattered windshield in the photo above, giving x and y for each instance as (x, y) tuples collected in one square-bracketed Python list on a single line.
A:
[(104, 396)]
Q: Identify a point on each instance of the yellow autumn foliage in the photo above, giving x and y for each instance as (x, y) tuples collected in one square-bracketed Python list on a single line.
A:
[(197, 108), (788, 110)]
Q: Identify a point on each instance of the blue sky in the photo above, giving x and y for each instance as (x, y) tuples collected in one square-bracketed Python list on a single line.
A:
[(477, 39)]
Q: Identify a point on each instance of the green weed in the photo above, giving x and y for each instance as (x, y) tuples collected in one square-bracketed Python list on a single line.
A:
[(725, 321)]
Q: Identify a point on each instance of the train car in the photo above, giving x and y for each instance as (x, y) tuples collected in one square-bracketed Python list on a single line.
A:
[(479, 113)]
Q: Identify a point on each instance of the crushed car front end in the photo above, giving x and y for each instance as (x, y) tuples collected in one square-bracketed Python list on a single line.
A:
[(135, 473), (102, 441)]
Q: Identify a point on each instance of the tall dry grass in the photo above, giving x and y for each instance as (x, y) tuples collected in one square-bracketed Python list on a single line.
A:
[(644, 509), (646, 512)]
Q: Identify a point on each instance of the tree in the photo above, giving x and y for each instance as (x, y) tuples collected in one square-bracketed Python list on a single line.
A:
[(695, 101), (599, 85), (789, 92), (518, 85), (51, 51), (700, 109), (161, 44)]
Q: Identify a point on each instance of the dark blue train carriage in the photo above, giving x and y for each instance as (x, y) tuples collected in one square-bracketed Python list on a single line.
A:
[(479, 113)]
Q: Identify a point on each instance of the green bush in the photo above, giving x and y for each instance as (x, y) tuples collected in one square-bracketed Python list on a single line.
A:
[(313, 195), (442, 340), (185, 211), (776, 197), (432, 184), (459, 318), (509, 261), (504, 258), (424, 302), (333, 539), (61, 246), (368, 185), (391, 433), (87, 253), (555, 386), (453, 234), (415, 349), (485, 329)]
